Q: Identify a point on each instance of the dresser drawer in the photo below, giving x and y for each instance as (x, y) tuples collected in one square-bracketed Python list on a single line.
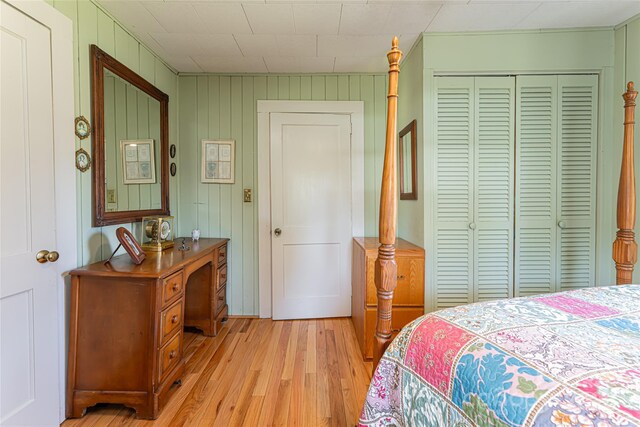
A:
[(171, 288), (169, 356), (170, 320), (222, 277), (410, 288), (221, 300), (222, 254)]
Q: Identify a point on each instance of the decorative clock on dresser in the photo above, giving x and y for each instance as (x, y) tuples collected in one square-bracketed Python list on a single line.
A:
[(126, 327)]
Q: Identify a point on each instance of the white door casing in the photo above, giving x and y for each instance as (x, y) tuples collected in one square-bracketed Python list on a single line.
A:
[(37, 210), (355, 110), (311, 215)]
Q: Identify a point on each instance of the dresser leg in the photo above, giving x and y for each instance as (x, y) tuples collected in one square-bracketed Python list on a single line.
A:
[(76, 411)]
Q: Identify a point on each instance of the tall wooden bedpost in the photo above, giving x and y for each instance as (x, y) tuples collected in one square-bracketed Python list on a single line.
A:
[(386, 268), (625, 248)]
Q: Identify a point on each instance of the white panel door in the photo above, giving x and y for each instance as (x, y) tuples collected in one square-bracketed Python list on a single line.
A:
[(28, 294), (310, 215)]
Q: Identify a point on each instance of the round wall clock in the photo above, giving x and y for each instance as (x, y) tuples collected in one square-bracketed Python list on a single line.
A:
[(83, 160), (83, 128)]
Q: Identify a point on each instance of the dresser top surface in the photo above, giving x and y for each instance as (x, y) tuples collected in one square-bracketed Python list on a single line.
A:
[(156, 264), (370, 244)]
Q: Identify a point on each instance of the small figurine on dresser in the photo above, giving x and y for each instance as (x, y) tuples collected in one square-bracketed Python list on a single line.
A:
[(157, 233)]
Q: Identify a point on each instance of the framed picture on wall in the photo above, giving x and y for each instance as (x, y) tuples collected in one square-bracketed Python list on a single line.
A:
[(218, 158), (138, 161)]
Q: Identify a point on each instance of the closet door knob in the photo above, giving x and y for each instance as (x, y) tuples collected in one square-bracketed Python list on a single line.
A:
[(472, 225), (562, 224)]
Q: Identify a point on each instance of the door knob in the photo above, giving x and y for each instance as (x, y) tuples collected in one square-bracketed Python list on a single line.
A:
[(277, 232), (46, 256), (472, 225), (562, 224)]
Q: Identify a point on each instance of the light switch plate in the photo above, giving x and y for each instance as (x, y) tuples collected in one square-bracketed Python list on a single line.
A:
[(111, 196), (247, 195)]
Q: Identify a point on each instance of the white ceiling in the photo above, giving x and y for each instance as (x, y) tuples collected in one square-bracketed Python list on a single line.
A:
[(304, 36)]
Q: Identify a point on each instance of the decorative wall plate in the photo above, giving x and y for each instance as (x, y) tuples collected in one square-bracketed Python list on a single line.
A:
[(83, 160), (172, 169), (83, 128), (172, 150)]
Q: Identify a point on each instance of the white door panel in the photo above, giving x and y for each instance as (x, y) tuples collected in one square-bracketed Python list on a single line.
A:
[(28, 294), (311, 206)]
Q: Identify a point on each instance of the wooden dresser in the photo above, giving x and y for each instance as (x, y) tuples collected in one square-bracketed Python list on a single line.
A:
[(126, 327), (408, 298)]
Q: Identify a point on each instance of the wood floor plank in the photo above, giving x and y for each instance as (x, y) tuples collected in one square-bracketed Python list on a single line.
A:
[(297, 381), (259, 372), (323, 409), (275, 376), (335, 384)]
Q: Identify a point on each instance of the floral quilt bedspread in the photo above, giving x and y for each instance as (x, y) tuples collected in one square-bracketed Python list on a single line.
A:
[(565, 359)]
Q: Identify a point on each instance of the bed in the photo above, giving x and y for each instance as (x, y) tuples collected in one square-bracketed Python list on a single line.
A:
[(564, 359)]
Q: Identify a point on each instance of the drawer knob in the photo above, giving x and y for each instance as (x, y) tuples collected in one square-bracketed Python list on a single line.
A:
[(220, 298), (175, 287), (174, 319), (172, 354)]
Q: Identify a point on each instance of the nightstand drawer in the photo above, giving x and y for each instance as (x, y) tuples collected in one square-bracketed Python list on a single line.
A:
[(170, 320), (169, 356), (171, 288), (410, 282)]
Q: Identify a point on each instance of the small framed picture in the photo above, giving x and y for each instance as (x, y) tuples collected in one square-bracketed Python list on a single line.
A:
[(218, 159), (131, 245), (138, 161), (83, 128), (83, 160)]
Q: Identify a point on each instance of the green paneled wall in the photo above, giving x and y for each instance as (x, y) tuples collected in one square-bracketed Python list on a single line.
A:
[(627, 68), (410, 107), (224, 106), (92, 25)]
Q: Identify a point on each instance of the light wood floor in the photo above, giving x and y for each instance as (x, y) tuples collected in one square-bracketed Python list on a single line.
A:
[(259, 372)]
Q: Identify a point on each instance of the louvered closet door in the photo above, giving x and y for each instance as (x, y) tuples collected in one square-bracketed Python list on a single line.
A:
[(474, 183), (492, 224), (454, 197), (536, 146), (577, 137), (555, 185)]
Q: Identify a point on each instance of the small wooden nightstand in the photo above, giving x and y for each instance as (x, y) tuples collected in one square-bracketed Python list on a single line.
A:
[(408, 299)]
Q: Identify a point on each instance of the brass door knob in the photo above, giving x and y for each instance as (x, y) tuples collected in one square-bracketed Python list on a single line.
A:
[(46, 256), (277, 232)]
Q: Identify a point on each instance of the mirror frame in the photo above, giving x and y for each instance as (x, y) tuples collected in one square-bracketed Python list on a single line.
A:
[(99, 61), (412, 129)]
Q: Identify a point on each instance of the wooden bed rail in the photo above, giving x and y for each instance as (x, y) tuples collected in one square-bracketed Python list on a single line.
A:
[(625, 248), (386, 268)]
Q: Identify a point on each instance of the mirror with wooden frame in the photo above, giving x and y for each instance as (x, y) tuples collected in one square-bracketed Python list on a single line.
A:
[(130, 144), (407, 156)]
